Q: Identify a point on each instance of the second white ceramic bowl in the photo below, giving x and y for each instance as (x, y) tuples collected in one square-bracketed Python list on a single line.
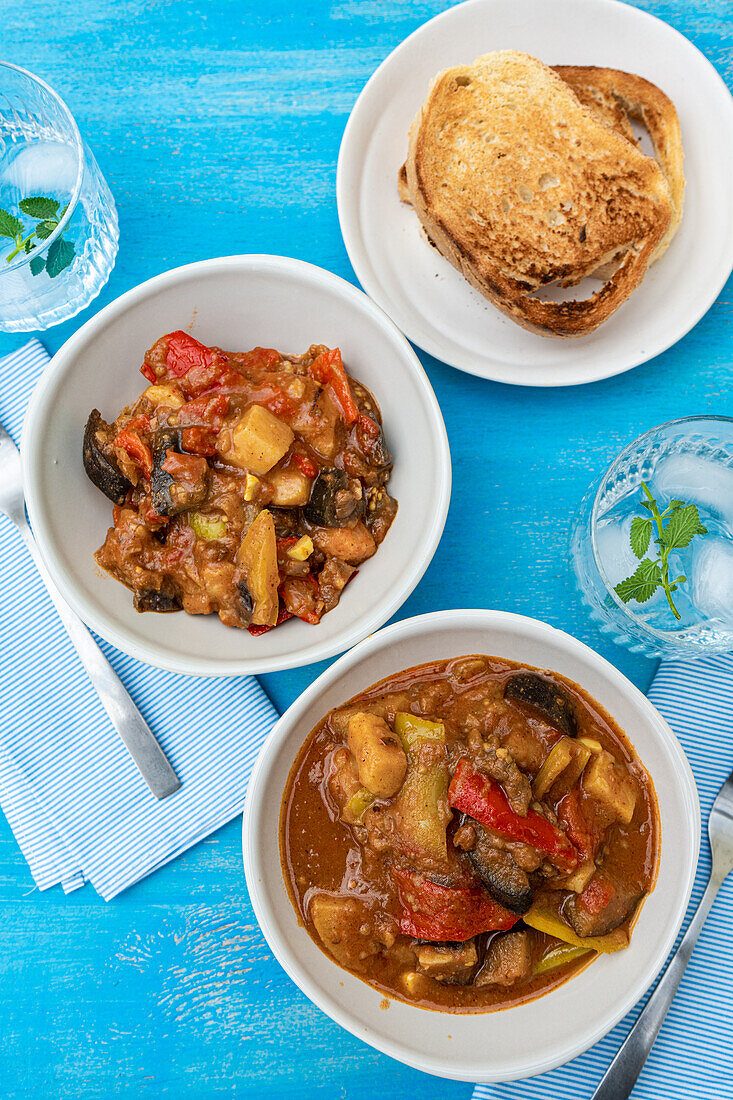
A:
[(236, 302), (530, 1038)]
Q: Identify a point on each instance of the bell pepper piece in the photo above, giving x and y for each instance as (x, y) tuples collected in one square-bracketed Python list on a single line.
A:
[(328, 370), (476, 794), (302, 597), (430, 911), (208, 528), (184, 352), (357, 805), (411, 729), (560, 955), (544, 917)]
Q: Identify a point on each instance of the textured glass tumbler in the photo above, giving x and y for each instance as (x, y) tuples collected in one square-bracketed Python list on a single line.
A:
[(689, 460), (56, 254)]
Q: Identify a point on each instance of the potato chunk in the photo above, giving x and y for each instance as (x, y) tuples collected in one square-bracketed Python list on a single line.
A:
[(448, 964), (380, 758), (344, 927), (611, 785), (257, 441), (291, 488)]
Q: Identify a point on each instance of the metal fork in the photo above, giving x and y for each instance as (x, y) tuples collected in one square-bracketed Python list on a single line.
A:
[(124, 715), (621, 1075)]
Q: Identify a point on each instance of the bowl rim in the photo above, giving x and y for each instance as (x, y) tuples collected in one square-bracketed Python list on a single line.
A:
[(286, 955), (119, 634)]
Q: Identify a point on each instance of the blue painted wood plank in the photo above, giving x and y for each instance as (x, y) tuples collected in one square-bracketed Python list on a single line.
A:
[(218, 126)]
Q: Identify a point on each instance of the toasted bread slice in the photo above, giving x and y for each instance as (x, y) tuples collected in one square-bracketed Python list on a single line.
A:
[(619, 96), (520, 185)]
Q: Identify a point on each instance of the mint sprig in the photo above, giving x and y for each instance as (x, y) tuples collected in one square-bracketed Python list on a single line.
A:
[(47, 215), (682, 524)]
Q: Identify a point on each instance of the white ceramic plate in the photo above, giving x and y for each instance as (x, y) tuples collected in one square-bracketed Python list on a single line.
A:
[(428, 299), (531, 1038), (236, 302)]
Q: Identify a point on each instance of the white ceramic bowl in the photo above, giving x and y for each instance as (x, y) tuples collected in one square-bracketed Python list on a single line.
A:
[(236, 302), (531, 1038)]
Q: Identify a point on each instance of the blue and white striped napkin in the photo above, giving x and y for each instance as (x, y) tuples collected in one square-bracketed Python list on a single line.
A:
[(693, 1057), (74, 800)]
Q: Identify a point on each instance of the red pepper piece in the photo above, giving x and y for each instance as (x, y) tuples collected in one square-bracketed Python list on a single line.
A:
[(304, 464), (138, 423), (476, 794), (434, 912), (184, 352), (138, 451), (286, 543), (282, 615), (328, 369), (148, 372)]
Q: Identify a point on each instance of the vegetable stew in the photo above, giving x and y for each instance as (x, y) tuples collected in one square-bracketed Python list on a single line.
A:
[(246, 484), (467, 834)]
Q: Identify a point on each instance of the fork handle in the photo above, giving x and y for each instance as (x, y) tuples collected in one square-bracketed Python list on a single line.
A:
[(134, 731), (620, 1077)]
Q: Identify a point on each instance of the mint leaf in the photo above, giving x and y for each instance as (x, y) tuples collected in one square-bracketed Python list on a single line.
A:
[(642, 584), (45, 229), (37, 265), (641, 533), (9, 226), (60, 255), (37, 206), (682, 527)]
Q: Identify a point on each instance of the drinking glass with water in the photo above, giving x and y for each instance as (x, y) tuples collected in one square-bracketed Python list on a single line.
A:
[(58, 222), (652, 547)]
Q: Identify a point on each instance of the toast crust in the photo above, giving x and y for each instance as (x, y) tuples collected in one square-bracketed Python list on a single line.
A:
[(520, 185)]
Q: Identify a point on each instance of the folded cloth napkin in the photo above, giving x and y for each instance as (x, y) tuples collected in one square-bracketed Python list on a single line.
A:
[(75, 801), (693, 1056)]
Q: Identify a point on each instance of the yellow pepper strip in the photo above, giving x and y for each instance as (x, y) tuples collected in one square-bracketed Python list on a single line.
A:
[(554, 765), (357, 805), (302, 549), (207, 527), (558, 956), (250, 486), (412, 729), (542, 917)]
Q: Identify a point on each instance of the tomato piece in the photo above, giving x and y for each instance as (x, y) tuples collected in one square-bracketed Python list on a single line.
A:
[(304, 464), (328, 369), (597, 893), (138, 451), (302, 597), (431, 911), (570, 812), (200, 441), (208, 409), (477, 795), (148, 372)]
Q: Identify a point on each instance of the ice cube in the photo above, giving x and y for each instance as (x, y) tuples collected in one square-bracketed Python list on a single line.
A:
[(711, 578), (614, 549), (696, 480), (42, 168)]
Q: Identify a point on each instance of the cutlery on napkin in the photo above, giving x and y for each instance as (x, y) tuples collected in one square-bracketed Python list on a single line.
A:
[(75, 800)]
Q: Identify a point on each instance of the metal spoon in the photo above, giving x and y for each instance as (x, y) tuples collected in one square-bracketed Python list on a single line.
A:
[(124, 715), (621, 1075)]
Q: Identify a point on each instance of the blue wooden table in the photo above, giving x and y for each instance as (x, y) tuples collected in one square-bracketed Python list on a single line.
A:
[(217, 126)]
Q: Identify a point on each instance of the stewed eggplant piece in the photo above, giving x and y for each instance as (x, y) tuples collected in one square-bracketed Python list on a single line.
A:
[(178, 481), (150, 599), (499, 873), (536, 693), (336, 499), (99, 460)]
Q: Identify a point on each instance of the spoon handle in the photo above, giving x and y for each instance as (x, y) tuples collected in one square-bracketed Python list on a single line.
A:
[(136, 734), (620, 1077)]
